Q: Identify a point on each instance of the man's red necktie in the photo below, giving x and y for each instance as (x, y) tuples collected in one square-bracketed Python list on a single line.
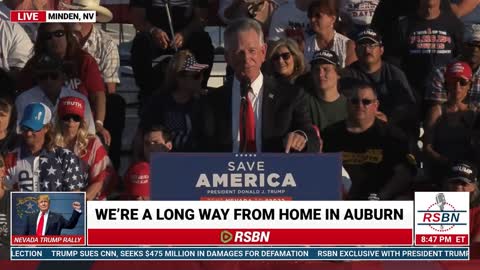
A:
[(246, 109), (40, 225)]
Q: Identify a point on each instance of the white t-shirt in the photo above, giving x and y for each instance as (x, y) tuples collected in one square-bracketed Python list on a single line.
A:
[(36, 94), (359, 11), (15, 45), (339, 47), (289, 18)]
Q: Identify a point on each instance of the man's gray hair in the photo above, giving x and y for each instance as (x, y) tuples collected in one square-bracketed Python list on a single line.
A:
[(242, 25)]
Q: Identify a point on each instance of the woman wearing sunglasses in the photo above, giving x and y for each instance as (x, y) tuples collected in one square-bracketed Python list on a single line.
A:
[(448, 127), (71, 132), (83, 74), (285, 60)]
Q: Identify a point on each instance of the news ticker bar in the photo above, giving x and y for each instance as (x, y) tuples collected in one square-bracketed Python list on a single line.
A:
[(240, 253)]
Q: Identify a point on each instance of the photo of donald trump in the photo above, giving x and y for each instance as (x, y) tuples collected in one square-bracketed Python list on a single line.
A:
[(46, 222)]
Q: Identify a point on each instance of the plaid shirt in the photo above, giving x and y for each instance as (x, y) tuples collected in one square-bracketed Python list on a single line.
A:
[(437, 92), (102, 47)]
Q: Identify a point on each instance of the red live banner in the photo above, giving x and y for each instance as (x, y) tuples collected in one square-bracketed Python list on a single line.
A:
[(256, 237), (28, 16), (50, 240)]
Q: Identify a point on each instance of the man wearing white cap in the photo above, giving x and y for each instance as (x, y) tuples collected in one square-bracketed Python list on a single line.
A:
[(436, 91), (37, 165), (103, 48)]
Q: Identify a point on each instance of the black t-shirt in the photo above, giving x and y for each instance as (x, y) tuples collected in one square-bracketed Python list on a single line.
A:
[(421, 45), (180, 119), (181, 12), (369, 157)]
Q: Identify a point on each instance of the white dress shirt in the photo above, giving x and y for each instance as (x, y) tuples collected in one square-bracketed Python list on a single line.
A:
[(256, 100), (45, 218)]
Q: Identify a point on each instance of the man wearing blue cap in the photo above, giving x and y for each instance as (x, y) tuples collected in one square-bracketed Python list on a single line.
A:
[(37, 165)]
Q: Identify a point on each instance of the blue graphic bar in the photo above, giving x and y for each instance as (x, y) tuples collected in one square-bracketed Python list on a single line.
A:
[(239, 253)]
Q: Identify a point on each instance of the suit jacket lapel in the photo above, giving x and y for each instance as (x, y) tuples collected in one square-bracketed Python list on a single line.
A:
[(268, 102), (49, 222)]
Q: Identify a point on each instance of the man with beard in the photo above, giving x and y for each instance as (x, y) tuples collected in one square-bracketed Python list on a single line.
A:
[(37, 165), (395, 96)]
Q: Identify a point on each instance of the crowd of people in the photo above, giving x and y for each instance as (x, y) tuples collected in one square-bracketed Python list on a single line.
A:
[(364, 78)]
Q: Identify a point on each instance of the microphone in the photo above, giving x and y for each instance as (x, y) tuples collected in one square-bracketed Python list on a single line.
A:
[(440, 198), (245, 84)]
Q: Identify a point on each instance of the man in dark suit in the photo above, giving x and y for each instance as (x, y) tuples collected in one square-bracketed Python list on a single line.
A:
[(252, 112), (47, 222)]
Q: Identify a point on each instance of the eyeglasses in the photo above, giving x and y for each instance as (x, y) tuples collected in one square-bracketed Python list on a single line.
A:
[(42, 76), (364, 101), (50, 35), (460, 81), (25, 129), (285, 56), (74, 117)]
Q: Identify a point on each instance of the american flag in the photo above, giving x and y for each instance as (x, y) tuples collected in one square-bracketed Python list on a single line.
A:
[(191, 64), (59, 170)]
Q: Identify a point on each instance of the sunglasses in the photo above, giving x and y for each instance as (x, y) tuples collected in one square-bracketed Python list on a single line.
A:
[(285, 56), (460, 81), (364, 101), (50, 35), (74, 117), (48, 75), (25, 129)]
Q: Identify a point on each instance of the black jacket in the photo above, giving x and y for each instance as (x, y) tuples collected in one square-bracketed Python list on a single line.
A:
[(283, 110)]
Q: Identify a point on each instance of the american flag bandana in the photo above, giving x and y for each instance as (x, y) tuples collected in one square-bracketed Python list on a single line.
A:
[(191, 64)]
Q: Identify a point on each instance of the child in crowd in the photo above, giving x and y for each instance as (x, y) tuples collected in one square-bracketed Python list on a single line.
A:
[(137, 178)]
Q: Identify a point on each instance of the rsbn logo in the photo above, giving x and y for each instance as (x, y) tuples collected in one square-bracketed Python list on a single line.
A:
[(441, 215)]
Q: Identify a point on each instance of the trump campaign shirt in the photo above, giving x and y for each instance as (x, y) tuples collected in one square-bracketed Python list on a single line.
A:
[(56, 170)]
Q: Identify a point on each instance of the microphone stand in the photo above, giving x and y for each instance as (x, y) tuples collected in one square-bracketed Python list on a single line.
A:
[(244, 86)]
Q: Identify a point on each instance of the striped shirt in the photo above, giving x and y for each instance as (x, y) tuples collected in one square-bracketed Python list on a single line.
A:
[(98, 166)]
